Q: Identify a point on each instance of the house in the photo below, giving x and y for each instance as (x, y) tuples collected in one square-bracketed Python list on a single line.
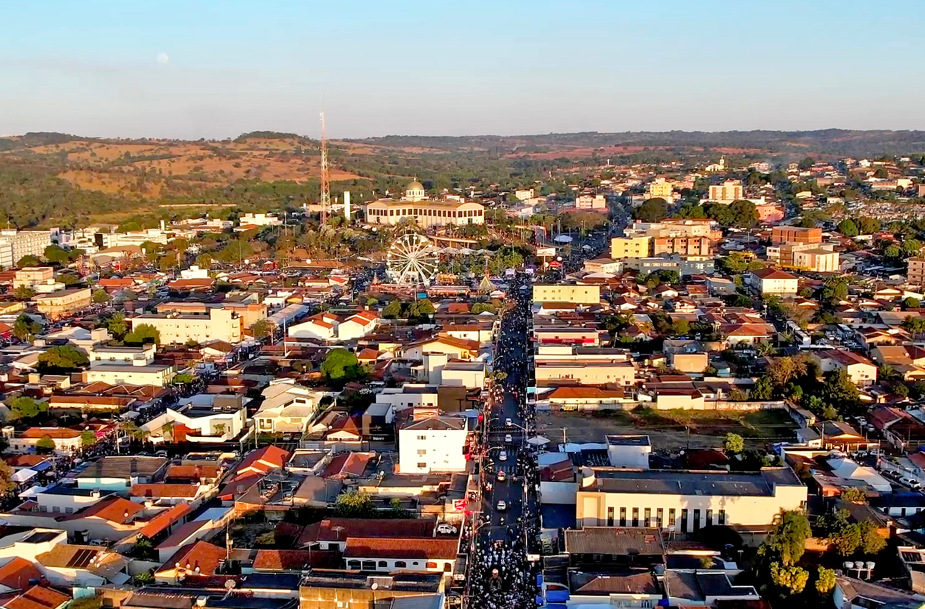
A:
[(322, 326), (167, 494), (62, 303), (119, 474), (38, 597), (453, 348), (583, 398), (774, 282), (199, 558), (433, 444), (851, 593), (860, 370), (388, 555), (898, 427), (286, 407), (203, 418), (67, 441), (747, 333), (357, 326)]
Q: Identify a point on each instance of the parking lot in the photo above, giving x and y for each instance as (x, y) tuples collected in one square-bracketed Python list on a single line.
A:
[(670, 429)]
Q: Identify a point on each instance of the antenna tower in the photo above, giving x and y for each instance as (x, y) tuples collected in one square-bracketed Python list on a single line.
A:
[(325, 177)]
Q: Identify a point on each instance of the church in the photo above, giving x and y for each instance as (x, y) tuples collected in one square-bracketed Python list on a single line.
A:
[(425, 211)]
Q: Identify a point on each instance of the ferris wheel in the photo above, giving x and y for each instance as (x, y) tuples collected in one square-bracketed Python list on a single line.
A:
[(412, 260)]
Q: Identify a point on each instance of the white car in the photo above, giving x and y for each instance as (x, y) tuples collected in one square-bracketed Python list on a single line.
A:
[(502, 456), (508, 422), (445, 528), (509, 439), (502, 506)]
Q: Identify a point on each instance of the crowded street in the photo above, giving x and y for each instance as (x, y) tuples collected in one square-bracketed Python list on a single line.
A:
[(501, 576)]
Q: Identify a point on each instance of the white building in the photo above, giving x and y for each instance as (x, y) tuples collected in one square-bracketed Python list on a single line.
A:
[(260, 219), (286, 407), (433, 444), (177, 328), (631, 452), (15, 244), (202, 418)]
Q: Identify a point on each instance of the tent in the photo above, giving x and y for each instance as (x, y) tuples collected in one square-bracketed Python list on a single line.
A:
[(24, 475)]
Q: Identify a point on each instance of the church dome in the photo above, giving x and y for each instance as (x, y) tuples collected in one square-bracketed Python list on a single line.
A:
[(415, 185)]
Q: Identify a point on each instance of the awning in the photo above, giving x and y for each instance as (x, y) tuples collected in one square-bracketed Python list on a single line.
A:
[(23, 475), (41, 467)]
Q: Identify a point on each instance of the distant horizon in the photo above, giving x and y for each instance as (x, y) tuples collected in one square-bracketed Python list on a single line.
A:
[(473, 135)]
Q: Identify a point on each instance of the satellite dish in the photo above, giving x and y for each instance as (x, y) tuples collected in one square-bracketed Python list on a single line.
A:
[(849, 564), (375, 586), (871, 564), (230, 584)]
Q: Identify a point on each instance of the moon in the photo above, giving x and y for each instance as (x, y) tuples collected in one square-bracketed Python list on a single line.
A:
[(162, 58)]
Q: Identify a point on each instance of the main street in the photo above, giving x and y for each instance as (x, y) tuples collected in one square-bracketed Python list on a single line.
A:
[(501, 576)]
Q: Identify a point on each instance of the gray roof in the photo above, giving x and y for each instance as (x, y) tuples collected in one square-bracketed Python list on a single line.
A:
[(627, 440), (667, 482), (123, 467)]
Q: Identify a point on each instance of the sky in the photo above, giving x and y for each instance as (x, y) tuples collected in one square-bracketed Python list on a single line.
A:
[(194, 69)]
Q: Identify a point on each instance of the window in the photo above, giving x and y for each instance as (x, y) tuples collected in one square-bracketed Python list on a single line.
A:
[(422, 466), (610, 516), (684, 521), (68, 510), (635, 517), (721, 517), (446, 567), (400, 564), (709, 518), (647, 517), (659, 514), (671, 517), (431, 565), (422, 452), (622, 516), (696, 520), (383, 564), (55, 508)]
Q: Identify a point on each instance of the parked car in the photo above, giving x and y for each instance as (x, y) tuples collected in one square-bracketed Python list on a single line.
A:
[(502, 456), (445, 528), (502, 505), (509, 439)]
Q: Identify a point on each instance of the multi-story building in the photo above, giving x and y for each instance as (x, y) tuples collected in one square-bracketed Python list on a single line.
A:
[(859, 369), (15, 244), (784, 253), (659, 188), (575, 294), (591, 202), (56, 305), (176, 328), (774, 282), (586, 372), (686, 501), (817, 260), (249, 312), (727, 192), (676, 227), (38, 278), (424, 211), (685, 246), (433, 444), (630, 247), (260, 219), (915, 274), (796, 234)]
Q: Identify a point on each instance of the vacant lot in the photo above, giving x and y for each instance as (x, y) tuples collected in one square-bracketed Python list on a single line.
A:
[(670, 429)]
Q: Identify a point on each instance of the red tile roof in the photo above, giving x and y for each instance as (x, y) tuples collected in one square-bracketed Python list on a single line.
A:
[(157, 490), (17, 573), (334, 529), (421, 548), (295, 560), (38, 597), (165, 520), (113, 509), (201, 554)]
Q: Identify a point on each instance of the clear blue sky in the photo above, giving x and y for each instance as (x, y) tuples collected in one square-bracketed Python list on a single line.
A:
[(215, 69)]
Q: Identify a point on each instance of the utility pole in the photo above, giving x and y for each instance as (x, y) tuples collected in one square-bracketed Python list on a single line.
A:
[(325, 175)]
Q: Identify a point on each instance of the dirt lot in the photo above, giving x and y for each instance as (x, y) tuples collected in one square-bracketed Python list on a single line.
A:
[(670, 429)]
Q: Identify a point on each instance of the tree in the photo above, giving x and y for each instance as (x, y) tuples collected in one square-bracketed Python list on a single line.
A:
[(87, 438), (835, 288), (143, 334), (791, 579), (7, 485), (55, 254), (733, 443), (421, 309), (25, 407), (23, 293), (340, 365), (392, 310), (825, 580), (911, 303), (652, 210), (854, 495), (25, 328), (868, 226), (847, 540), (100, 296), (743, 214), (788, 539), (64, 358), (871, 540), (117, 325), (354, 504), (29, 260), (784, 370), (847, 227), (183, 378), (839, 390), (733, 264), (260, 328), (914, 324), (44, 444), (763, 389)]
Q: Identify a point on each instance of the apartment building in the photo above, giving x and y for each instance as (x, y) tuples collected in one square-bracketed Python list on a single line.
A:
[(575, 294), (630, 247), (598, 202), (817, 260), (915, 275), (676, 227), (774, 282), (686, 501), (249, 312), (56, 305), (796, 234), (586, 372), (425, 212), (660, 188), (727, 192), (684, 246), (15, 244), (32, 276), (433, 444), (784, 254), (179, 328)]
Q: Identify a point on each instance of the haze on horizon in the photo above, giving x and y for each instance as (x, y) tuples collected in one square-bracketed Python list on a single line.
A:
[(188, 70)]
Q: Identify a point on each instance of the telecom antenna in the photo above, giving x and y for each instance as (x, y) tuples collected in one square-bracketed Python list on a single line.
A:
[(325, 177)]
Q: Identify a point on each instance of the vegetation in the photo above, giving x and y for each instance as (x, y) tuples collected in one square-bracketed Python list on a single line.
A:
[(143, 334), (341, 365), (24, 407), (62, 359)]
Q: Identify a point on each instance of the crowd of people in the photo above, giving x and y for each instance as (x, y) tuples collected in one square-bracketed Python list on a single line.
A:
[(500, 574)]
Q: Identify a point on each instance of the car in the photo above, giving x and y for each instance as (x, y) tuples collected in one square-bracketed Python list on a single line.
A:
[(501, 475), (502, 505), (445, 528), (910, 482), (508, 422), (509, 438), (502, 456)]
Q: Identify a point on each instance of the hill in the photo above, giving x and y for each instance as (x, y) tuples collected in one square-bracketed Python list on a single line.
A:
[(63, 179)]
